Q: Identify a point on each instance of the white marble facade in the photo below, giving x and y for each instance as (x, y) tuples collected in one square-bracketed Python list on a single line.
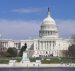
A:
[(48, 44)]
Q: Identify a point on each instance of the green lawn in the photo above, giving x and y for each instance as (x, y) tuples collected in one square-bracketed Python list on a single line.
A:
[(54, 60), (59, 60), (5, 60)]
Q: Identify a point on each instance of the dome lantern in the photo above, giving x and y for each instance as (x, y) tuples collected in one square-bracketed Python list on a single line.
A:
[(48, 19), (48, 12)]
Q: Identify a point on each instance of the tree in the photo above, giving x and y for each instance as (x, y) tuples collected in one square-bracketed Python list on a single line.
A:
[(23, 49), (71, 50), (12, 52), (73, 39), (65, 53), (2, 50)]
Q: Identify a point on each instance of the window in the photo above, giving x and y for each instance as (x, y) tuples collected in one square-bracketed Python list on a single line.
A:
[(54, 44), (46, 52), (50, 43), (51, 32)]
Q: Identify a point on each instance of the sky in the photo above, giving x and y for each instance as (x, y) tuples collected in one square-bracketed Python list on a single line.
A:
[(21, 19)]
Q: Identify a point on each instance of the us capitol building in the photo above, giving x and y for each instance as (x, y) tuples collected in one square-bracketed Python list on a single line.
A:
[(48, 44)]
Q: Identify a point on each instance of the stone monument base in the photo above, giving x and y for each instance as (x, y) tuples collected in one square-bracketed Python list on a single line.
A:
[(25, 59)]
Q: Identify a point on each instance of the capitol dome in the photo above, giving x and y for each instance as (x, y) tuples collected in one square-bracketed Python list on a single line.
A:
[(48, 27), (48, 19)]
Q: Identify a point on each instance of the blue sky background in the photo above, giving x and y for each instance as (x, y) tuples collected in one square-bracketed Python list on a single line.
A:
[(21, 19)]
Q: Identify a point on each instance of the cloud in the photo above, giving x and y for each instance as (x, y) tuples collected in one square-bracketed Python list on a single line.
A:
[(28, 10), (19, 29), (66, 27)]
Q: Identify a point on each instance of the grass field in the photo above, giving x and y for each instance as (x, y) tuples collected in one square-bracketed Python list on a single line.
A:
[(55, 60), (5, 60)]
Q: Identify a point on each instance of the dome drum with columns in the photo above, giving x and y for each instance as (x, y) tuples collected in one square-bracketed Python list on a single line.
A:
[(48, 27)]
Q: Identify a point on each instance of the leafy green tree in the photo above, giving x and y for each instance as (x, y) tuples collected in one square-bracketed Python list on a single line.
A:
[(12, 52), (23, 49), (71, 50), (65, 53)]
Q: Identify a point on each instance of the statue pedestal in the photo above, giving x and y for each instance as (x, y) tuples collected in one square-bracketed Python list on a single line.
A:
[(25, 58)]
